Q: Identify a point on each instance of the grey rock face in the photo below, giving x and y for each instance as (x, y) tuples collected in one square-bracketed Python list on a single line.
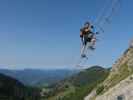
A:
[(123, 90), (131, 43), (127, 57)]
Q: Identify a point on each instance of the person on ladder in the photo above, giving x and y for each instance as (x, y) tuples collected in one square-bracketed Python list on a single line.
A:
[(87, 38)]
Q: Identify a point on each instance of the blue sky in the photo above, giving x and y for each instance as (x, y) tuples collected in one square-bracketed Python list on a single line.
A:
[(45, 33)]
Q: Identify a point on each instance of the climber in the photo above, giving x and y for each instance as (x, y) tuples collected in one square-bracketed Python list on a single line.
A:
[(87, 37)]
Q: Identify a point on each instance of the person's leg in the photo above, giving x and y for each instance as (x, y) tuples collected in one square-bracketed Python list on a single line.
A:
[(83, 49), (93, 41), (92, 44)]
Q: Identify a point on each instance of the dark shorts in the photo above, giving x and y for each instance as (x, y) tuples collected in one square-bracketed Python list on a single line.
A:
[(87, 38)]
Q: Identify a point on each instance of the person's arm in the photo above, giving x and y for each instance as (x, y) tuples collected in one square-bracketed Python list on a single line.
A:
[(81, 35)]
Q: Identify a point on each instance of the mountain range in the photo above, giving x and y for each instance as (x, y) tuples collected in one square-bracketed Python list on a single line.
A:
[(93, 83), (12, 89), (38, 77), (76, 87)]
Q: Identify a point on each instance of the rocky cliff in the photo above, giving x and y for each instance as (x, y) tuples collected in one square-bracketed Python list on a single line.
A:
[(119, 84)]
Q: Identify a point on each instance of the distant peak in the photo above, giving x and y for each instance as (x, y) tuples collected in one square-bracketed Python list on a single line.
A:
[(131, 43)]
